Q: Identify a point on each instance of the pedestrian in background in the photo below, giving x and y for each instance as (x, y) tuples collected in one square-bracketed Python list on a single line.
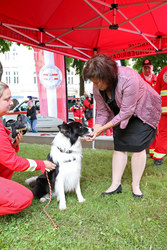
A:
[(147, 73), (78, 110), (31, 115), (88, 104)]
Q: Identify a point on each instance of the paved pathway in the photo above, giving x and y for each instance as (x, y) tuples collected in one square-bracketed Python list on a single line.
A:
[(101, 142)]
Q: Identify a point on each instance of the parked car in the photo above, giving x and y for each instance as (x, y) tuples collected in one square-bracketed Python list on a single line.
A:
[(44, 123)]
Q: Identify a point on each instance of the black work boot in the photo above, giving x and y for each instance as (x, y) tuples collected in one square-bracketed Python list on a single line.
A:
[(158, 162)]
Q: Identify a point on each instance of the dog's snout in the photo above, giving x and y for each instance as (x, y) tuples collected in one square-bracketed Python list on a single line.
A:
[(90, 130)]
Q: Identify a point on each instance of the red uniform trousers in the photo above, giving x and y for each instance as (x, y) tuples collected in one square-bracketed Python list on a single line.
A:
[(90, 123), (161, 139), (152, 146), (13, 197)]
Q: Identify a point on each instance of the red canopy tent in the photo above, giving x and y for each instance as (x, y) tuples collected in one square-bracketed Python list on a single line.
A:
[(81, 28)]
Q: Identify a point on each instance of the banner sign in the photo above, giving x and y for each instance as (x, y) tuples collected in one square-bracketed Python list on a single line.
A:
[(50, 69), (135, 50)]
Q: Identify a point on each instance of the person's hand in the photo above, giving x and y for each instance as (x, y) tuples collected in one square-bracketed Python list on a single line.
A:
[(97, 130), (49, 165), (17, 139), (88, 138)]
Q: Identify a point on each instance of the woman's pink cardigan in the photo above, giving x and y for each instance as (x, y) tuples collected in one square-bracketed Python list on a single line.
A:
[(133, 96)]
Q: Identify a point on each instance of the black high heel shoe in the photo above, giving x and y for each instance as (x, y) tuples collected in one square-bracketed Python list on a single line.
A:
[(116, 191), (137, 195)]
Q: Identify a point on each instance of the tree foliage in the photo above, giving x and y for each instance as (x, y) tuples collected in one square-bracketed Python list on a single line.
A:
[(1, 71), (4, 45), (78, 66), (158, 61), (68, 63)]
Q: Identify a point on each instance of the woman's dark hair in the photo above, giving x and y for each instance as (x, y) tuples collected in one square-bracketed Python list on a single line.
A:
[(101, 67)]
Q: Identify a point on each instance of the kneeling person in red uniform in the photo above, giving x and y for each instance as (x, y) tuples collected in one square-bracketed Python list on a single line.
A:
[(14, 197)]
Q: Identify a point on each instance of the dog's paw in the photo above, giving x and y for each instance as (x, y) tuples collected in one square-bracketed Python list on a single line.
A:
[(62, 206), (42, 199), (31, 181), (81, 200)]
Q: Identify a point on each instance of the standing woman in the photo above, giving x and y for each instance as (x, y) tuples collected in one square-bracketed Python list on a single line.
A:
[(13, 196), (129, 106), (31, 114)]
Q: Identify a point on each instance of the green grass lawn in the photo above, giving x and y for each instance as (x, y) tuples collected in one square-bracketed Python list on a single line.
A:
[(117, 222)]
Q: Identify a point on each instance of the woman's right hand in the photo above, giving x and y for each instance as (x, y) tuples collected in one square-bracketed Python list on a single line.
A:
[(49, 165), (97, 130)]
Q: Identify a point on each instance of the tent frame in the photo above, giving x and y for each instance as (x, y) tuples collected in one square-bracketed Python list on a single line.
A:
[(83, 52)]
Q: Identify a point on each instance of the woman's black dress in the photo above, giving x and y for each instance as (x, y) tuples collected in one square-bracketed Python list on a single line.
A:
[(136, 137)]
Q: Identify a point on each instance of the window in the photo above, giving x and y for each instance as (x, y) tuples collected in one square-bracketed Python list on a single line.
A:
[(88, 82), (68, 80), (36, 55), (8, 77), (37, 105), (35, 78), (7, 56), (23, 106), (16, 77), (15, 54)]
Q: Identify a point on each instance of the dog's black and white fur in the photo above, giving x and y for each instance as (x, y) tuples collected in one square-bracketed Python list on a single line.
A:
[(66, 153)]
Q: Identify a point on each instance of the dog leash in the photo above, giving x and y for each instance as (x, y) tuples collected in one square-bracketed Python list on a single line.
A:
[(50, 191)]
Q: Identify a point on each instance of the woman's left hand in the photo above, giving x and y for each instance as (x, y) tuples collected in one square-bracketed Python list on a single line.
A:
[(17, 139)]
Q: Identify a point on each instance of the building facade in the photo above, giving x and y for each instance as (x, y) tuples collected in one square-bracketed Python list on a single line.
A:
[(20, 74)]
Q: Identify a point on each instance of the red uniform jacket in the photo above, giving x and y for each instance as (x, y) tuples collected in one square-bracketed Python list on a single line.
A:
[(88, 104), (10, 162), (161, 88), (153, 80), (78, 112)]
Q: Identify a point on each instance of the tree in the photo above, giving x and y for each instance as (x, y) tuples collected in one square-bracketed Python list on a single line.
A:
[(69, 61), (4, 46), (158, 61), (78, 66), (1, 71), (125, 62)]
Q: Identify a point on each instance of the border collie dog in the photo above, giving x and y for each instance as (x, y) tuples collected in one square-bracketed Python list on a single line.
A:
[(66, 153)]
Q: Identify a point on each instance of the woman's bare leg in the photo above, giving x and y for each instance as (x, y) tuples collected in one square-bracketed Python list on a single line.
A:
[(138, 162), (119, 162)]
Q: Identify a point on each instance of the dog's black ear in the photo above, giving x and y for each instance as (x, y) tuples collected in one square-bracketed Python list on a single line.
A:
[(62, 126), (14, 133)]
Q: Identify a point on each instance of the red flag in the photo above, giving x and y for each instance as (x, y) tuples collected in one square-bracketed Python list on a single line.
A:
[(50, 69)]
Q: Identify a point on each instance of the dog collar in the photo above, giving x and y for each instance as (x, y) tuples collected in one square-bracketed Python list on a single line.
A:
[(74, 159), (62, 151)]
